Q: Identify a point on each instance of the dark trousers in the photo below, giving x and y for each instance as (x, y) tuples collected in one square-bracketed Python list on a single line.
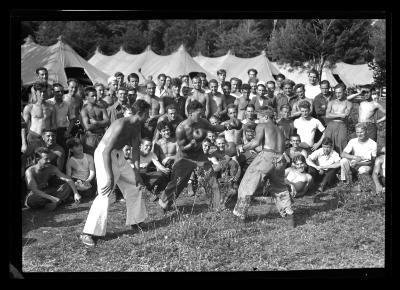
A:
[(154, 180), (62, 191), (327, 179), (372, 131), (181, 172)]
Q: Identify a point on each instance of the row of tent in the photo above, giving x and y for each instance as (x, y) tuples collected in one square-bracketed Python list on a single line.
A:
[(100, 67)]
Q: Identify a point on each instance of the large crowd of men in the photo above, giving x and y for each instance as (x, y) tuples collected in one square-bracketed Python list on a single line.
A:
[(119, 140)]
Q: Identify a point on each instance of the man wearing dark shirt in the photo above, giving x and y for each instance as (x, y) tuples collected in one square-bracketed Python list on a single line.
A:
[(117, 110), (321, 102), (176, 99)]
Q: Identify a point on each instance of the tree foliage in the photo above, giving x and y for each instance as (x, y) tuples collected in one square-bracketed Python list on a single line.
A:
[(321, 42), (378, 42)]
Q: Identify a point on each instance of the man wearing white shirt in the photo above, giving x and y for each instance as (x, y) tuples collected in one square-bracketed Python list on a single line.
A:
[(312, 89), (161, 90), (324, 163), (358, 155), (306, 127)]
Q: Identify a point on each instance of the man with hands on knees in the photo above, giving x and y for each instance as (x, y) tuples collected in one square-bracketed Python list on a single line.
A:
[(113, 169)]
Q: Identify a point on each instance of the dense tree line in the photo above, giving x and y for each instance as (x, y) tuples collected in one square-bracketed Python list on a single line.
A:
[(319, 42)]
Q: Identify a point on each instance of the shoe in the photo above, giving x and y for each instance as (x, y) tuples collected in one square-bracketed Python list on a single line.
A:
[(291, 221), (87, 240)]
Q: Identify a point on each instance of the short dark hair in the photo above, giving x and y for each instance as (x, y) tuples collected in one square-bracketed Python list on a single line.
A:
[(58, 85), (90, 89), (141, 106), (295, 135), (161, 75), (150, 82), (99, 85), (72, 142), (305, 104), (122, 88), (341, 85), (280, 76), (246, 87), (133, 76), (231, 106), (313, 71), (213, 81), (251, 106), (250, 126), (163, 124), (299, 157), (300, 85), (171, 107), (252, 69), (327, 141), (201, 74), (72, 80), (41, 150), (41, 68), (253, 80), (267, 111), (234, 79), (226, 84), (49, 130), (184, 76), (118, 74), (38, 86), (326, 82), (207, 140), (146, 139), (270, 82), (221, 71), (288, 82), (284, 106), (176, 82), (193, 106)]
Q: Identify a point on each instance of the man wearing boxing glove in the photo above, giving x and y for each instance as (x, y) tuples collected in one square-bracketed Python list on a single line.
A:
[(189, 136)]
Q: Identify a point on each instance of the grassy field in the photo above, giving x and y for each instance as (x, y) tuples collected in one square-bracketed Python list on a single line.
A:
[(344, 230)]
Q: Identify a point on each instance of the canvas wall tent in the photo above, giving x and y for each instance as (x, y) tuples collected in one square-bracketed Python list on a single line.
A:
[(353, 74), (175, 64), (238, 67), (55, 58), (299, 75)]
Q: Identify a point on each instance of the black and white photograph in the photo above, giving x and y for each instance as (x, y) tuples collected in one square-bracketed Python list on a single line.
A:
[(159, 143)]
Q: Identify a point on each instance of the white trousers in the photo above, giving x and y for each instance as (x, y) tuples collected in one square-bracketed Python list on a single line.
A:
[(346, 164), (124, 177)]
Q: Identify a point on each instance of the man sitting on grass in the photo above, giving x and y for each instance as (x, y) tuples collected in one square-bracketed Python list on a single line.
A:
[(358, 155), (294, 150), (37, 178), (80, 166), (324, 163), (296, 177)]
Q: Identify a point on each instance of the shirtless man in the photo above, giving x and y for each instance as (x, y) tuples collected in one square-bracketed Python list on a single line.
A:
[(156, 103), (337, 112), (367, 110), (217, 100), (198, 95), (296, 177), (233, 135), (95, 120), (269, 163), (172, 117), (42, 76), (166, 148), (243, 101), (40, 115), (189, 135), (72, 97), (37, 179), (112, 168)]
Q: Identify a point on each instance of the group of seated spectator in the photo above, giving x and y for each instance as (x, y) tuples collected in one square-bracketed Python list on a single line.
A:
[(61, 130)]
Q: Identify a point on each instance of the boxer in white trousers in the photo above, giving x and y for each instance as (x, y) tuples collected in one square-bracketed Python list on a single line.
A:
[(112, 168)]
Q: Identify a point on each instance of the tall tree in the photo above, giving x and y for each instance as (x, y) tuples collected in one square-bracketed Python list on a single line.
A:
[(378, 42), (319, 41), (246, 40), (180, 32)]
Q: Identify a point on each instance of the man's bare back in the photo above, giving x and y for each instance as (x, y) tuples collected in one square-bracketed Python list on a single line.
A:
[(122, 132)]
